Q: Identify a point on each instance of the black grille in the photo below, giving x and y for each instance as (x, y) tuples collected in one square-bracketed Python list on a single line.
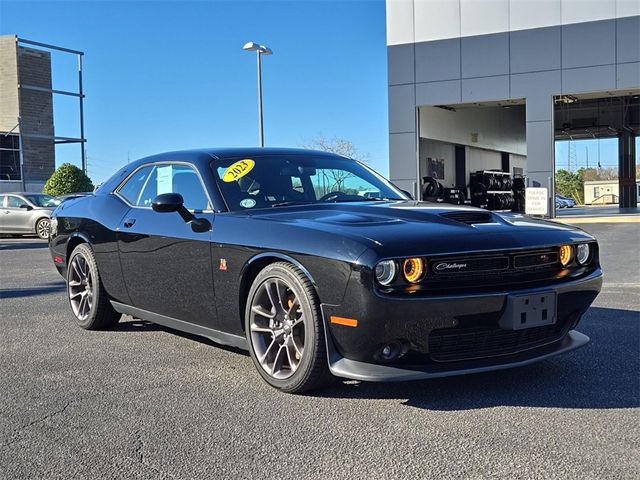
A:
[(456, 265), (453, 344), (485, 272), (535, 259), (470, 218)]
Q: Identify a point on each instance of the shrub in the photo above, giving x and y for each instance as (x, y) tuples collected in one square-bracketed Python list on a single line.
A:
[(67, 179)]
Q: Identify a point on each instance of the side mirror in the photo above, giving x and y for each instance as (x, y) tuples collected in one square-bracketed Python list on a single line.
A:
[(167, 202), (26, 206), (173, 202)]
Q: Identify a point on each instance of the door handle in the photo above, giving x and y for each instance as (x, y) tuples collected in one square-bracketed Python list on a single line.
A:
[(128, 223)]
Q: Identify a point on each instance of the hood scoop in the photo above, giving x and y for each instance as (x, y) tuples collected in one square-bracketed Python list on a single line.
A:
[(470, 218)]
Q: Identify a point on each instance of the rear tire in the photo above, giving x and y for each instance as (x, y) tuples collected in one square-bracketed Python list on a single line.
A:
[(285, 331), (43, 227), (87, 297)]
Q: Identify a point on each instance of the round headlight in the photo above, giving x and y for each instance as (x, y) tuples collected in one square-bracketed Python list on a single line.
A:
[(413, 268), (583, 251), (386, 272), (566, 255)]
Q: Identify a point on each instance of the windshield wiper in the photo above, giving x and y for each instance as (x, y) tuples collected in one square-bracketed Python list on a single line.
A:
[(291, 202)]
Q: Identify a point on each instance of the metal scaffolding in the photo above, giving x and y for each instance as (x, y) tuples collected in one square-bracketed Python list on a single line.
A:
[(78, 94)]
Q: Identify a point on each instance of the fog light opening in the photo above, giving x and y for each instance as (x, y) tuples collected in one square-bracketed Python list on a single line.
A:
[(390, 351)]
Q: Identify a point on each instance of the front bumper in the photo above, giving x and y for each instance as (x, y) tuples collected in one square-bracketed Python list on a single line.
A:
[(352, 351), (371, 372)]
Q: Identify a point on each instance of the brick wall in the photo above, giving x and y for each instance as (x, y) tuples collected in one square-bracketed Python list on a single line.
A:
[(36, 113), (28, 66), (8, 83)]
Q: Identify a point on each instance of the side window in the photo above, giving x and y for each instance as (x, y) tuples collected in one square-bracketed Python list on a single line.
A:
[(2, 197), (185, 181), (148, 182), (133, 187), (14, 202), (149, 190)]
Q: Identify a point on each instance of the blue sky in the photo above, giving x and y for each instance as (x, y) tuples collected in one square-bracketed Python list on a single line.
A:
[(589, 152), (163, 75), (166, 75)]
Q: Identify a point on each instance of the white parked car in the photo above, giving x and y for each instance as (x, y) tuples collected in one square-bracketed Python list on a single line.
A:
[(24, 213)]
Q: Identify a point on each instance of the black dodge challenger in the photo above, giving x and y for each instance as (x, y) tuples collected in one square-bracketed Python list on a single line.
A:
[(321, 268)]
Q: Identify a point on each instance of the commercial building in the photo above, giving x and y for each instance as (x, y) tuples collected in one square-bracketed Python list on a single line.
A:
[(26, 111), (603, 192), (27, 138), (492, 84)]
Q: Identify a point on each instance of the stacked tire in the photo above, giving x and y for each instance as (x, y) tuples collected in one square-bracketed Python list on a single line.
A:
[(492, 189)]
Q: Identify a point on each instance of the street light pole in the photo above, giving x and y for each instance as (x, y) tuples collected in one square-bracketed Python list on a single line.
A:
[(260, 126), (260, 50)]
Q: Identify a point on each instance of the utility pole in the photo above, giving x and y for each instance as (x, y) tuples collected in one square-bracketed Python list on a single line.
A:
[(586, 150)]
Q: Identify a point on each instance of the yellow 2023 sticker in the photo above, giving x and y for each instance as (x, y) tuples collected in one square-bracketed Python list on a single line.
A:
[(238, 170)]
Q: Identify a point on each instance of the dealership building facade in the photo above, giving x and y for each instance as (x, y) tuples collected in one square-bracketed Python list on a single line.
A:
[(493, 84)]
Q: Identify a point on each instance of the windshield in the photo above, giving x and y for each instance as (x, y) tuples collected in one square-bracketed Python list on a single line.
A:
[(41, 200), (280, 180)]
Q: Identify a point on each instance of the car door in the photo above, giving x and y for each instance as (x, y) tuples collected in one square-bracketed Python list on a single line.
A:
[(165, 263), (17, 215)]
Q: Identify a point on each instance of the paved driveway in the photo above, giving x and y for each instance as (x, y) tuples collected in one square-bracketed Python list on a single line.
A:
[(143, 401)]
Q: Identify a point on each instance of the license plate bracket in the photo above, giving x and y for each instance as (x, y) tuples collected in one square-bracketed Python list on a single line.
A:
[(529, 311)]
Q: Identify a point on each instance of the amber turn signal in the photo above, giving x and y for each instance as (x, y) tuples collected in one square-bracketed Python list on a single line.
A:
[(348, 322), (413, 269), (566, 255)]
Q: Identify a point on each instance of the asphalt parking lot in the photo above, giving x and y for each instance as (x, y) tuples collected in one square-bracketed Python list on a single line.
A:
[(143, 401)]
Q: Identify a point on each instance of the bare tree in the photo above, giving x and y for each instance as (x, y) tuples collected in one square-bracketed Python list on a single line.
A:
[(334, 180), (338, 145)]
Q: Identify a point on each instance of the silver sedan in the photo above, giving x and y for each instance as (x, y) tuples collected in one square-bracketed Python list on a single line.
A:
[(23, 213)]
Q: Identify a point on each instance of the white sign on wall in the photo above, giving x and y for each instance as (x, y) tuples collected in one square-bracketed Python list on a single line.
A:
[(536, 201)]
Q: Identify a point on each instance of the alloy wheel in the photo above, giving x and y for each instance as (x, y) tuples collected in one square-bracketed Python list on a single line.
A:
[(80, 287), (43, 228), (277, 324)]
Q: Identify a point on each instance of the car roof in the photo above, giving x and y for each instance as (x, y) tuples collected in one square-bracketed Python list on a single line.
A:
[(231, 152)]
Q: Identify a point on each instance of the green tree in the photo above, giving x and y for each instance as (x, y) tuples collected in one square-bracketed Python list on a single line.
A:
[(571, 184), (67, 179)]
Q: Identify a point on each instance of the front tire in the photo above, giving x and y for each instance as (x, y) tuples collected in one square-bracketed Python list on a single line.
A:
[(284, 330), (43, 227), (87, 297)]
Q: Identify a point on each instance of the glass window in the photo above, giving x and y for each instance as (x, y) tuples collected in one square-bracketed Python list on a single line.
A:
[(185, 181), (276, 180), (149, 190), (15, 202), (41, 200), (132, 188), (149, 182), (9, 157), (328, 180)]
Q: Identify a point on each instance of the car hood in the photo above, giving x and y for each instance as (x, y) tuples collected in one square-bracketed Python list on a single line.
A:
[(411, 227)]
